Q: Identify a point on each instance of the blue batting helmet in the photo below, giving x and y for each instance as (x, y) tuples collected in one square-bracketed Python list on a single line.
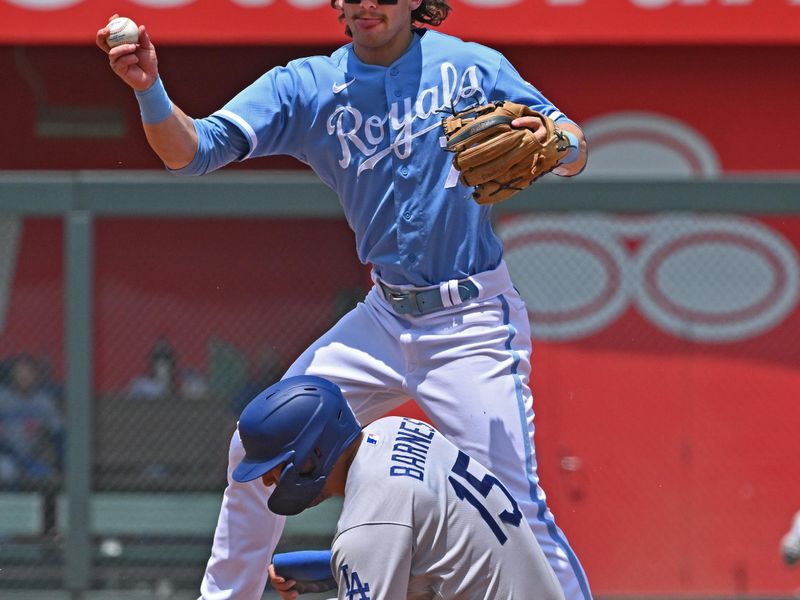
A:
[(293, 421)]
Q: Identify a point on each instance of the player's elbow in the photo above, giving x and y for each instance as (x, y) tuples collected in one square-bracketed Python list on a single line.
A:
[(174, 140), (193, 168), (179, 157)]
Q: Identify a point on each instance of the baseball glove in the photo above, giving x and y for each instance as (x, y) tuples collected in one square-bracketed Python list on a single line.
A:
[(497, 159)]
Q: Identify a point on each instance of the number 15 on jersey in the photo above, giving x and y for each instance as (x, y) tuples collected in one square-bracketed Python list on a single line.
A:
[(511, 516)]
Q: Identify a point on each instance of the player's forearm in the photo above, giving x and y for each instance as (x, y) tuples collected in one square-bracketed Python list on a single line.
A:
[(174, 139), (169, 130), (576, 166)]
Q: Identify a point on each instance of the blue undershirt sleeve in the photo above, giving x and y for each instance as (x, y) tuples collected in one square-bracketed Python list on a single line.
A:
[(219, 143)]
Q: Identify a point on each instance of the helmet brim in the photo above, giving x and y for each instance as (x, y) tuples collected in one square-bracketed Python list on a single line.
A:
[(250, 469)]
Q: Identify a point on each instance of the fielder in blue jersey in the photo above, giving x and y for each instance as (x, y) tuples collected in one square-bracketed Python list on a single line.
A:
[(443, 323)]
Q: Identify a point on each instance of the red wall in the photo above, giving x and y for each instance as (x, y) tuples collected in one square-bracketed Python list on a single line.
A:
[(191, 22), (723, 92)]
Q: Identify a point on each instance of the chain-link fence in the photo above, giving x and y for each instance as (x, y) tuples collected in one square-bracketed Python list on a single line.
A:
[(664, 344), (192, 318)]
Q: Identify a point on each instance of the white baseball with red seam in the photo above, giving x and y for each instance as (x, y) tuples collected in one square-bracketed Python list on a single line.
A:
[(122, 31)]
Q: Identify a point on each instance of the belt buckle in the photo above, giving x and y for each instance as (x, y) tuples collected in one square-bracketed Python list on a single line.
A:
[(403, 302), (398, 296)]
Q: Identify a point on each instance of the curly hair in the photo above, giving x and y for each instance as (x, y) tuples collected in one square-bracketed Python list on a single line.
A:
[(429, 12)]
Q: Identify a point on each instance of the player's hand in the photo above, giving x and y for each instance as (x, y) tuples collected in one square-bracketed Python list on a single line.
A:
[(135, 64), (534, 124), (282, 586)]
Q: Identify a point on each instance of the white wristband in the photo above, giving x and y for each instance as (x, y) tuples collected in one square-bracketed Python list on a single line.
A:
[(154, 104), (574, 148)]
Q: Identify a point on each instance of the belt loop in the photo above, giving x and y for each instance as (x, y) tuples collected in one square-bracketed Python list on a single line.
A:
[(452, 289), (378, 283), (449, 293)]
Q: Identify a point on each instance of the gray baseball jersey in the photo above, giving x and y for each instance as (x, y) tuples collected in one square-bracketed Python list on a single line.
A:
[(422, 520)]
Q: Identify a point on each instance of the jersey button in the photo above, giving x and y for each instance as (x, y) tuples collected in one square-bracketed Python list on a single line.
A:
[(393, 71), (404, 171), (398, 93), (407, 215)]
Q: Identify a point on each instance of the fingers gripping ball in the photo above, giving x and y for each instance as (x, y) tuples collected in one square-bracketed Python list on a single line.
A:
[(122, 31), (496, 158)]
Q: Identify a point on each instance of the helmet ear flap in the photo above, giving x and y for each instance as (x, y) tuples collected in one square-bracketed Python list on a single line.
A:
[(295, 491), (309, 467)]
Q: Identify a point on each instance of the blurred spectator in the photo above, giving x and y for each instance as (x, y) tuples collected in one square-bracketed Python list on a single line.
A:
[(31, 425), (193, 385), (163, 379), (790, 544), (266, 370)]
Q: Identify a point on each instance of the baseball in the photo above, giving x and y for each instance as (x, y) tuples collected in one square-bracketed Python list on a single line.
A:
[(122, 31)]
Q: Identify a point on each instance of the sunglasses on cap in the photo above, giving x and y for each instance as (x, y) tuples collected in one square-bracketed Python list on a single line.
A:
[(376, 1)]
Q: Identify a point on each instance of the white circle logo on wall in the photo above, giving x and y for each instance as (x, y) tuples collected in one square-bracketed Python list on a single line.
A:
[(702, 278), (570, 271), (647, 145)]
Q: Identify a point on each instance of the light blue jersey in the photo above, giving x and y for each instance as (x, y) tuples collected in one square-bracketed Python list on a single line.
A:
[(373, 134)]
